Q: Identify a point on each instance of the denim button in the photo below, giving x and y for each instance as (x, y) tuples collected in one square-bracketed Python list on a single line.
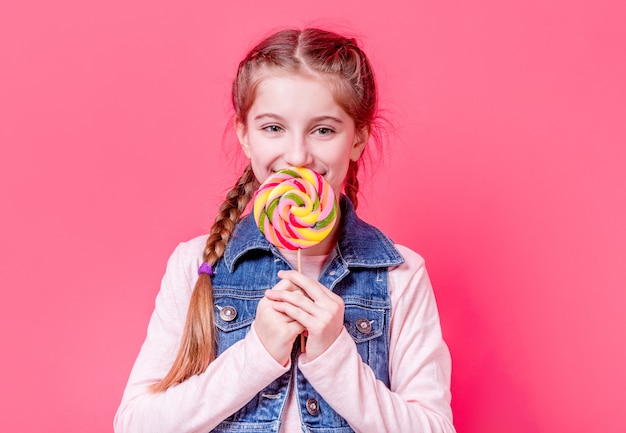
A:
[(363, 326), (228, 314), (312, 406)]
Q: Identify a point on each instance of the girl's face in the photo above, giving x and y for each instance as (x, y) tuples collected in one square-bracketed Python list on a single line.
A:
[(295, 121)]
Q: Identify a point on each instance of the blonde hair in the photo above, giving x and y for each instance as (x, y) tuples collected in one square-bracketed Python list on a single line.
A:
[(349, 72)]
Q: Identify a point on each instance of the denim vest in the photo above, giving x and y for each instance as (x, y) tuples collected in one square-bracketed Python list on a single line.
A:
[(356, 270)]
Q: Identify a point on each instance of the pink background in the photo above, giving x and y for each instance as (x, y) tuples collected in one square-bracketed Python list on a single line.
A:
[(504, 167)]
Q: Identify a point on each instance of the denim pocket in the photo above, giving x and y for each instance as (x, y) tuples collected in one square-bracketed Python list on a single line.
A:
[(366, 323), (363, 323), (234, 313)]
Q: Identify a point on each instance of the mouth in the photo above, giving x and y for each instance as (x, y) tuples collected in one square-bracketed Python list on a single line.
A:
[(274, 171)]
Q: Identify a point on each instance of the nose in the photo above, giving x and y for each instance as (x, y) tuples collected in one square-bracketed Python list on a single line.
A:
[(298, 153)]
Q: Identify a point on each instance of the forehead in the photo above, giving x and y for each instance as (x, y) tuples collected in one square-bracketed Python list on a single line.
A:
[(294, 92)]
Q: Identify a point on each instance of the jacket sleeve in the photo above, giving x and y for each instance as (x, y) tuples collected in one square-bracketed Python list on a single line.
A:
[(419, 396), (203, 401)]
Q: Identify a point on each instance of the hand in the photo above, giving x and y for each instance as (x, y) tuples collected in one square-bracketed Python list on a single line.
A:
[(277, 331), (312, 305)]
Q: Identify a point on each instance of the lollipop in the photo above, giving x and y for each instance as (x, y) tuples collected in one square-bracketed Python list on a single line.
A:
[(295, 208)]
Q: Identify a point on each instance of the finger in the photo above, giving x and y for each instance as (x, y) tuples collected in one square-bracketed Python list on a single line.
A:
[(319, 326), (296, 313), (311, 287), (296, 298), (286, 285), (312, 315), (270, 318)]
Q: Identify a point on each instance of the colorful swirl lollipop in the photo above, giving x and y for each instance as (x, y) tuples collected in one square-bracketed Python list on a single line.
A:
[(295, 208)]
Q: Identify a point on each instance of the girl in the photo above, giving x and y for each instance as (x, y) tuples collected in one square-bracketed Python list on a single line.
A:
[(222, 351)]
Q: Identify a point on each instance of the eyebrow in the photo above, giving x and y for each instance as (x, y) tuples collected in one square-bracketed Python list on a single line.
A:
[(315, 119), (331, 118), (266, 115)]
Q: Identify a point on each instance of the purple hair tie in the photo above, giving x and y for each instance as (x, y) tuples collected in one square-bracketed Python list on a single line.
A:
[(205, 268)]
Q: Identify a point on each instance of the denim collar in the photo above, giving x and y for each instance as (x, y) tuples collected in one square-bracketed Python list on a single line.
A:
[(360, 244)]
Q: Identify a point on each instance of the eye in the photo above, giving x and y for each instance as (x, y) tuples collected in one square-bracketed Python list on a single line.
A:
[(323, 131), (272, 128)]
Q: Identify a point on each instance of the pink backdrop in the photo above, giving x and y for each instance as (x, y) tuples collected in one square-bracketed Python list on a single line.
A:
[(504, 168)]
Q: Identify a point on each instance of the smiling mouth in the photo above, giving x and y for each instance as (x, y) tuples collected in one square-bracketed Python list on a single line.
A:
[(277, 170)]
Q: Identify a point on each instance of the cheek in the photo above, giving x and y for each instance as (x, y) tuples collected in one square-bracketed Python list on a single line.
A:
[(260, 168), (339, 178)]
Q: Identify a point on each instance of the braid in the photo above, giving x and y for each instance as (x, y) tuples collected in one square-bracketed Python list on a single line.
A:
[(231, 209), (352, 183), (197, 348)]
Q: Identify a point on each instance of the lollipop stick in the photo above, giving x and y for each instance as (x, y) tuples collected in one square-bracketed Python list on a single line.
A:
[(299, 259), (302, 340)]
